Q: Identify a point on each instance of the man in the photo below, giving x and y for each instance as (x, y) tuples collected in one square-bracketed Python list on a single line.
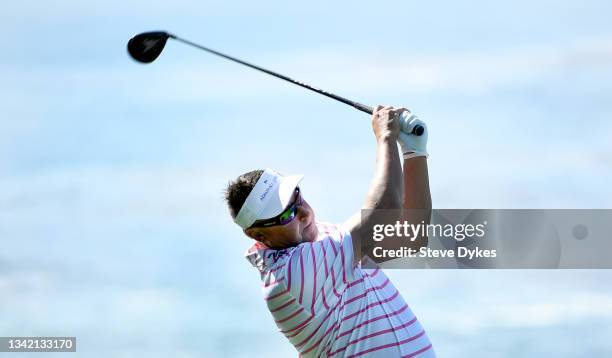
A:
[(319, 296)]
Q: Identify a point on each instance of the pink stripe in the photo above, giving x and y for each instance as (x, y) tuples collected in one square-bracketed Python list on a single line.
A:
[(280, 279), (316, 344), (343, 259), (383, 285), (299, 325), (417, 352), (356, 282), (314, 265), (378, 318), (277, 268), (301, 277), (325, 259), (289, 273), (333, 246), (269, 298), (290, 316), (371, 306), (297, 329), (334, 284), (373, 273), (283, 306), (323, 296), (326, 273), (388, 345), (333, 272), (343, 266), (388, 330)]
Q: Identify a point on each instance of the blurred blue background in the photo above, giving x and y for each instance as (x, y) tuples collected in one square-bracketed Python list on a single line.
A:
[(112, 223)]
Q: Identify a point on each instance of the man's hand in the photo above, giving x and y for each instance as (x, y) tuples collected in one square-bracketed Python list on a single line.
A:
[(385, 123), (413, 145)]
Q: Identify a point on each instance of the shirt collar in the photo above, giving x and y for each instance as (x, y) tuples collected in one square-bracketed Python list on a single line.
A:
[(255, 255), (263, 257)]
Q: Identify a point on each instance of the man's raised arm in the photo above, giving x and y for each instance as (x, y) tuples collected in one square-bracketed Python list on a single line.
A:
[(385, 190), (392, 189), (417, 196)]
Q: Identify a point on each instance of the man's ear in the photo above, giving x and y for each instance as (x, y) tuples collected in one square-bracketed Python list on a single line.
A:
[(254, 234)]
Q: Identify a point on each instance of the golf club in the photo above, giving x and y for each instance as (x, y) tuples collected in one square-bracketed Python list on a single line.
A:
[(147, 46)]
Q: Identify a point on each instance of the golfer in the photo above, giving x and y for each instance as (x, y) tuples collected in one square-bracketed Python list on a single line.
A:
[(313, 284)]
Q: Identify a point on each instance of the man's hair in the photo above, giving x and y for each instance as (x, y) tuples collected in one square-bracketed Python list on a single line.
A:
[(238, 190)]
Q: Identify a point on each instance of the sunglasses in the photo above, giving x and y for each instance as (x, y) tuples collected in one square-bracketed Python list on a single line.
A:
[(286, 216)]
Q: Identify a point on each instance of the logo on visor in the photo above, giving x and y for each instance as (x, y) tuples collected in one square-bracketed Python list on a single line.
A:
[(263, 196)]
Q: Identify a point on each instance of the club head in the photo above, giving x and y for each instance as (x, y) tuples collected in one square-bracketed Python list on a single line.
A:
[(146, 47)]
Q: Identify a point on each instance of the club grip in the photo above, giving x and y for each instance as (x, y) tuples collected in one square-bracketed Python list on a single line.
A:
[(405, 119)]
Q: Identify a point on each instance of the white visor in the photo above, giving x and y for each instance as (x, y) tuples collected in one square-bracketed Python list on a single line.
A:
[(269, 197)]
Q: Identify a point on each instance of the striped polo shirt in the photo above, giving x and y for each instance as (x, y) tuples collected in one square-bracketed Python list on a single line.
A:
[(326, 307)]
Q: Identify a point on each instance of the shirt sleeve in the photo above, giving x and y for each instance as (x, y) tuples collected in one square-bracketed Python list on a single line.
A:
[(318, 272)]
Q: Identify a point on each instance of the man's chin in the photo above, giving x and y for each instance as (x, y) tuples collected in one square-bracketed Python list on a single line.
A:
[(310, 233)]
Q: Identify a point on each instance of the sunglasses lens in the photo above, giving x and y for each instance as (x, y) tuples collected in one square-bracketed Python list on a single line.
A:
[(287, 216)]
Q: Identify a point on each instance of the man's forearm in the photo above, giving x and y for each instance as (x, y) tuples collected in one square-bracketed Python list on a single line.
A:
[(416, 184), (385, 191), (417, 197)]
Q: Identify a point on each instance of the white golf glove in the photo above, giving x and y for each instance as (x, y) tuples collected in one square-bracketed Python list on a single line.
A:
[(412, 145)]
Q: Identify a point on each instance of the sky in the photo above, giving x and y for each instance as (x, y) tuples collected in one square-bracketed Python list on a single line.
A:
[(112, 223)]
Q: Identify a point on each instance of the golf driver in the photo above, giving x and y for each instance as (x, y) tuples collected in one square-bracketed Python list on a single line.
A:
[(147, 46)]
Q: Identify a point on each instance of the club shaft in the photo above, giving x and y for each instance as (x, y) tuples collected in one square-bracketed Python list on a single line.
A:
[(359, 106)]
